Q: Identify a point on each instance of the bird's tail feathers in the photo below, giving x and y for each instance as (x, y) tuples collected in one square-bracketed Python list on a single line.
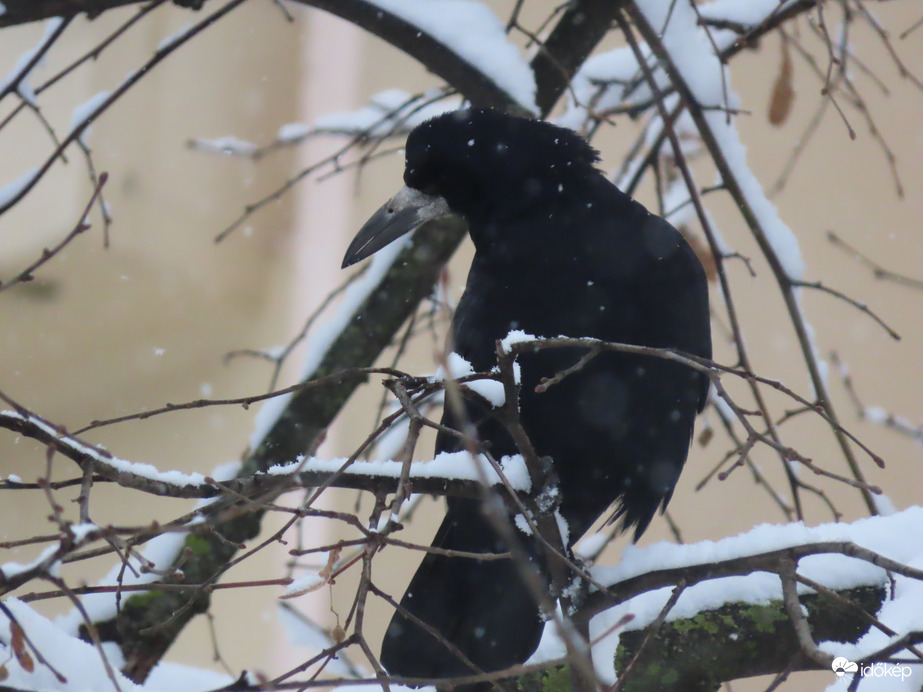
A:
[(634, 511), (479, 607)]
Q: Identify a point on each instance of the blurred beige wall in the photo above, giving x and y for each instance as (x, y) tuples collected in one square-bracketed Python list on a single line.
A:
[(104, 332)]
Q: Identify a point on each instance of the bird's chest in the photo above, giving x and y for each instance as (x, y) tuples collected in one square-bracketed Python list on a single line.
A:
[(563, 298)]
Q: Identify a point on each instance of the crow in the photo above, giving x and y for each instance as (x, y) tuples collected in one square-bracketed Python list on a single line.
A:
[(559, 250)]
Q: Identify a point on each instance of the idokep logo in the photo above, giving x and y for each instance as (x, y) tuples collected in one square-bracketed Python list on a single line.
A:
[(842, 665)]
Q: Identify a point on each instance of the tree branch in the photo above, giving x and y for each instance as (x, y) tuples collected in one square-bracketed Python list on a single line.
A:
[(760, 233), (26, 11), (580, 29), (477, 87), (702, 652)]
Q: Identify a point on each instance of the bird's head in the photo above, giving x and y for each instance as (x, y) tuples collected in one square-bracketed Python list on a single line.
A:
[(477, 164)]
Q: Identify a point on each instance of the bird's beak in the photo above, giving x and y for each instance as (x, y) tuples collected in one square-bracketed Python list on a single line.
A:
[(401, 214)]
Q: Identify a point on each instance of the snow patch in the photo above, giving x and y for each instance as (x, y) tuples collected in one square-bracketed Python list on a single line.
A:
[(83, 114), (291, 132), (389, 112), (10, 570), (491, 390), (20, 75), (516, 336), (227, 146), (695, 58), (474, 33), (148, 471), (12, 190), (308, 582), (175, 38), (446, 465), (79, 662)]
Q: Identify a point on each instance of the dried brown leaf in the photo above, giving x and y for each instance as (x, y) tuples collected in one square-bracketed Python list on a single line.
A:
[(783, 93), (18, 645)]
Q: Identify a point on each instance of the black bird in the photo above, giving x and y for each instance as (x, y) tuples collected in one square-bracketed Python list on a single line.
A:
[(559, 250)]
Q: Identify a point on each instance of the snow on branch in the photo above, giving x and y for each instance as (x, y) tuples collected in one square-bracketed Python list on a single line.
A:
[(390, 113), (697, 608), (704, 78), (611, 82), (454, 473), (18, 80), (686, 49), (472, 31), (496, 387), (84, 115), (462, 41)]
